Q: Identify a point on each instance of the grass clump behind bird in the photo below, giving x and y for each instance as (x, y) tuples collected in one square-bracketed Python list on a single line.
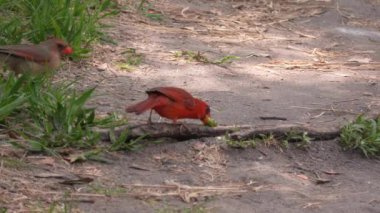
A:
[(76, 21), (43, 116)]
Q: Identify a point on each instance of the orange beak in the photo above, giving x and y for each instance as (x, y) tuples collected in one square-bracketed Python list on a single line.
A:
[(208, 121), (67, 51)]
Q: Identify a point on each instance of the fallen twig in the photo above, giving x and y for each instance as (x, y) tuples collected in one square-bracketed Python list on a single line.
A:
[(325, 109), (176, 131), (273, 118), (79, 200), (65, 194), (322, 181), (192, 131), (331, 172), (186, 192), (138, 167), (283, 131)]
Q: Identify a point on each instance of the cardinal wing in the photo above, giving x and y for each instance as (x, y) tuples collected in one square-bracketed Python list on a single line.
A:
[(175, 94), (27, 52)]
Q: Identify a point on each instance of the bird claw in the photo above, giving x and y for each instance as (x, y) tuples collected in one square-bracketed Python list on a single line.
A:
[(183, 126), (150, 118)]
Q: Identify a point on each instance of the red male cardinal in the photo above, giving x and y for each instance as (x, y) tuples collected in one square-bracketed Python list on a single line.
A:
[(24, 58), (174, 103)]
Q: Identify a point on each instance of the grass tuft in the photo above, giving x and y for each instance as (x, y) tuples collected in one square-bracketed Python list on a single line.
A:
[(99, 188), (48, 115), (363, 134), (11, 96), (302, 139), (146, 8), (13, 163), (131, 59), (118, 143), (76, 21), (190, 56), (241, 144)]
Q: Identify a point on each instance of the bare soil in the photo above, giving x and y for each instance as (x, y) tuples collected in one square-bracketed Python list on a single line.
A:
[(314, 63)]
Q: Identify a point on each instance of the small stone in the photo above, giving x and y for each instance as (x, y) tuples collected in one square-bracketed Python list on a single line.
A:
[(103, 67)]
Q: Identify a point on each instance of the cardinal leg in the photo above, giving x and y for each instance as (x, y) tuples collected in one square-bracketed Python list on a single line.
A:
[(150, 117), (182, 126)]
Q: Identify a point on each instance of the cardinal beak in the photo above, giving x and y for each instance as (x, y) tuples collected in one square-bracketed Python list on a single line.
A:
[(67, 51), (208, 121)]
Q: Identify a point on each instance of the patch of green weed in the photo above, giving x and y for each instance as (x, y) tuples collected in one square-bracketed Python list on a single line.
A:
[(13, 163), (48, 115), (191, 56), (198, 57), (241, 144), (11, 95), (226, 59), (302, 139), (131, 60), (192, 209), (362, 134), (146, 8), (106, 190), (121, 142)]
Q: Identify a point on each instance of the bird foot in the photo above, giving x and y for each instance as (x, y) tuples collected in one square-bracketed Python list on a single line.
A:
[(183, 128), (150, 122)]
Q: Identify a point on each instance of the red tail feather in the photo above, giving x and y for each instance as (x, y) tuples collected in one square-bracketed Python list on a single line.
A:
[(142, 106)]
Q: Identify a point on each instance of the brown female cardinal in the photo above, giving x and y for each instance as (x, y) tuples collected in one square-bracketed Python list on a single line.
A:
[(174, 103), (38, 58)]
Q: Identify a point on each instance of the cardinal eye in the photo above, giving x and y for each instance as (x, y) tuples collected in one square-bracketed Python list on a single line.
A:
[(208, 110), (61, 46)]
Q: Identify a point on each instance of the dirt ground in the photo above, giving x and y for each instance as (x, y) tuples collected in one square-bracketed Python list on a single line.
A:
[(314, 63)]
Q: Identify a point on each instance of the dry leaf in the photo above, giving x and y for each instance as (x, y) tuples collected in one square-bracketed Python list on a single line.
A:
[(199, 146), (322, 181), (303, 177), (360, 59), (331, 172), (103, 67), (188, 28), (46, 161), (139, 167), (51, 175), (79, 180), (264, 55)]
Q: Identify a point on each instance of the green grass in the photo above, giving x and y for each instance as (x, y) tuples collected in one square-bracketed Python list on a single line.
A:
[(301, 140), (362, 134), (131, 59), (189, 55), (13, 163), (145, 7), (58, 207), (192, 209), (106, 190), (11, 95), (49, 116), (56, 116), (241, 144), (226, 59), (76, 21), (118, 143)]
